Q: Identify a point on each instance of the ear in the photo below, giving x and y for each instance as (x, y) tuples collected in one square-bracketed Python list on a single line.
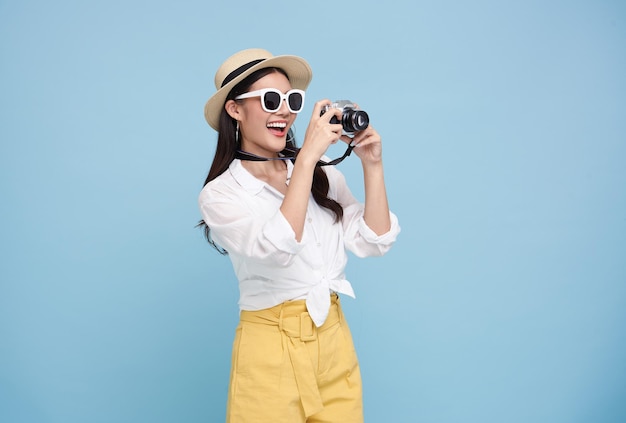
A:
[(232, 108)]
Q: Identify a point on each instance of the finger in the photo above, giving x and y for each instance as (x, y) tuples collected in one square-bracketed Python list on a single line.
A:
[(333, 113), (319, 106), (366, 133), (345, 138), (366, 138), (323, 106)]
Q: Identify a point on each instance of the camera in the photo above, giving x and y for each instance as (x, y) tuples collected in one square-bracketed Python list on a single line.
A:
[(352, 119)]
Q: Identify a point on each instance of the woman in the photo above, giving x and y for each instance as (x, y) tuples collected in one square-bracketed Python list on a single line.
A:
[(286, 223)]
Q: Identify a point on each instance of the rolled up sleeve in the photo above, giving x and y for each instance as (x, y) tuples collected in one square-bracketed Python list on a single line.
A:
[(361, 240), (247, 231)]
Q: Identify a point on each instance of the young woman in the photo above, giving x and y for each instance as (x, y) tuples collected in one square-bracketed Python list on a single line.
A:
[(286, 223)]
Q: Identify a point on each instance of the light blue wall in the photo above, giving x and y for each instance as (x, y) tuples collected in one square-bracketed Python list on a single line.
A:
[(504, 127)]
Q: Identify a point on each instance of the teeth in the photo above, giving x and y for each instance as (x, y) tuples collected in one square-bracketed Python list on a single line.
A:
[(277, 125)]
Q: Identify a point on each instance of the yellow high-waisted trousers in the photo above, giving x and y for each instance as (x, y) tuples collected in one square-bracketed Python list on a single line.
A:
[(286, 370)]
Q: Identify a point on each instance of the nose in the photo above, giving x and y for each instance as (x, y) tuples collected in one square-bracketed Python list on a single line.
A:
[(283, 110)]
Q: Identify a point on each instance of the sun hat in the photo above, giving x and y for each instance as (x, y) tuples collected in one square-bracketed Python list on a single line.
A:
[(243, 63)]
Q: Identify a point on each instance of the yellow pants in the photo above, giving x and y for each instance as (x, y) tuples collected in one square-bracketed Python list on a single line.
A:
[(286, 370)]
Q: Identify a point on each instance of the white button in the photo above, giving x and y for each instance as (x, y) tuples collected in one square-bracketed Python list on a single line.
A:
[(309, 220)]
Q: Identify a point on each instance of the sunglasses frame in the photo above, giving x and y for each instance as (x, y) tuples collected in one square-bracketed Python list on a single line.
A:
[(283, 97)]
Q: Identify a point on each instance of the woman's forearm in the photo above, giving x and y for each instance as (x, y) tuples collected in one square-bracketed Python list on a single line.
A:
[(296, 201), (376, 205)]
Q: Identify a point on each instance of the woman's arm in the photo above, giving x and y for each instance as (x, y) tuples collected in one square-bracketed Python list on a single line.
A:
[(319, 135), (368, 148), (376, 213)]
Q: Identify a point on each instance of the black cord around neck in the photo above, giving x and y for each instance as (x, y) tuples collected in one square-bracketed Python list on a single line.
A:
[(289, 153), (244, 155)]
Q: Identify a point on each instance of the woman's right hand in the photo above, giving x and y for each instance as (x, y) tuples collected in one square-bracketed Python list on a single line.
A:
[(320, 133)]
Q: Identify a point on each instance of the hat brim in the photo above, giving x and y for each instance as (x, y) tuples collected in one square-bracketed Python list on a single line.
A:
[(297, 69)]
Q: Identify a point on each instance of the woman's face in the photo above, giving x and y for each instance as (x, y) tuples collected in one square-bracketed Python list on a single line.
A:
[(264, 133)]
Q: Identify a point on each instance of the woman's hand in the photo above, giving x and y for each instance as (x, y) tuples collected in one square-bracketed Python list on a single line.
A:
[(367, 145), (320, 133)]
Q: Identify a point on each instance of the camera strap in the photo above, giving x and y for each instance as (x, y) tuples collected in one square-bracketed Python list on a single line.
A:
[(338, 159), (290, 153), (244, 155)]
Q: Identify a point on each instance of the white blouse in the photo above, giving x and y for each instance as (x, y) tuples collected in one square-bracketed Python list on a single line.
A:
[(244, 216)]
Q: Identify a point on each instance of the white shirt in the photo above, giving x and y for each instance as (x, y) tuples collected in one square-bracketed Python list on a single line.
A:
[(244, 216)]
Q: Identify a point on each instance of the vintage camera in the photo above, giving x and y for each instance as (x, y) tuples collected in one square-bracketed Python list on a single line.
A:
[(352, 119)]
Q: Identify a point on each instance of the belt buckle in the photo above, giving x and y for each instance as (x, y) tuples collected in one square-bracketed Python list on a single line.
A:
[(307, 328)]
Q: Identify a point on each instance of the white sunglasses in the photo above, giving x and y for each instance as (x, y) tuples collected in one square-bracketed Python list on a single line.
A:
[(272, 99)]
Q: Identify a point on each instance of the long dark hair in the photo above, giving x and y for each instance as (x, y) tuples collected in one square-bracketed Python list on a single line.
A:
[(227, 146)]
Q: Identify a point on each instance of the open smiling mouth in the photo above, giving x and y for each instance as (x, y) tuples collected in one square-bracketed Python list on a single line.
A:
[(277, 128)]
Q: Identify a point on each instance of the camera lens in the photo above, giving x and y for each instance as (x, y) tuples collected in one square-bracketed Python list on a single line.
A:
[(355, 120)]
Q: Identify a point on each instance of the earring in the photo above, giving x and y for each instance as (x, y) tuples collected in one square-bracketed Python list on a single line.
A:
[(237, 133), (291, 134)]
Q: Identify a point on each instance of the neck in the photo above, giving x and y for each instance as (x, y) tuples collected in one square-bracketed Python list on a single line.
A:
[(264, 169)]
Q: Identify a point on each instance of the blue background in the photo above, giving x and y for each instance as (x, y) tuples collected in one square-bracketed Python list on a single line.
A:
[(504, 127)]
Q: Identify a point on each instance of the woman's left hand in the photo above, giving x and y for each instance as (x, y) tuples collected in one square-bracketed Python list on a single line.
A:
[(367, 145)]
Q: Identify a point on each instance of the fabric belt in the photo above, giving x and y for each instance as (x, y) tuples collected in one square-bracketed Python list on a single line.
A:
[(295, 322)]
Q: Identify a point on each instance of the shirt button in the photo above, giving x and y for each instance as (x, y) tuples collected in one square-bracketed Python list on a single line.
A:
[(319, 244), (309, 220)]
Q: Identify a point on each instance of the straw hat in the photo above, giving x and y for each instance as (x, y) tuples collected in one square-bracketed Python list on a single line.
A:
[(240, 65)]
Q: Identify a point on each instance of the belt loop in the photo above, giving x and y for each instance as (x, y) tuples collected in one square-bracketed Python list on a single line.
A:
[(307, 328)]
